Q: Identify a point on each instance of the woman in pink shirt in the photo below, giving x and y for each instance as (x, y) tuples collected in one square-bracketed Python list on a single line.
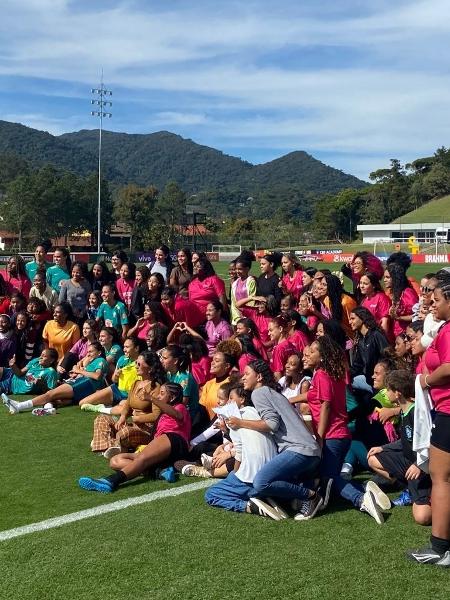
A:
[(246, 326), (402, 295), (153, 313), (292, 280), (375, 300), (282, 347), (126, 283), (15, 276), (206, 286), (436, 379), (169, 444)]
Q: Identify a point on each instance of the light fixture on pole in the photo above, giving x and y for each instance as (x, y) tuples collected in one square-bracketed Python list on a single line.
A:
[(100, 112)]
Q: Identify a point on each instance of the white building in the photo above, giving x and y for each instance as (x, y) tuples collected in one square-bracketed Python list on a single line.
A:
[(401, 232)]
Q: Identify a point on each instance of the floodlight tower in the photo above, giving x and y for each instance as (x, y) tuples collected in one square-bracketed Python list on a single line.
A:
[(101, 103)]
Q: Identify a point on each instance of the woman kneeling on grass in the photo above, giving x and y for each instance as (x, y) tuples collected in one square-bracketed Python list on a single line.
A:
[(86, 380), (170, 443)]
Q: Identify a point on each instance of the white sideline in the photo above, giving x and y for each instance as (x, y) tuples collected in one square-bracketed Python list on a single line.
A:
[(8, 534)]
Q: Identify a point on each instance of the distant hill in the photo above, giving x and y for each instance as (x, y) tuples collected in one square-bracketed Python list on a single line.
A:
[(158, 158), (435, 211)]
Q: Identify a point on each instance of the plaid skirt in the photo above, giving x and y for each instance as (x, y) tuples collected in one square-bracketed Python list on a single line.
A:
[(129, 436)]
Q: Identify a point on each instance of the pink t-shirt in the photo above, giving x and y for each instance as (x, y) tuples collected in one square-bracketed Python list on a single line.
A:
[(299, 340), (244, 360), (200, 370), (437, 354), (184, 311), (260, 347), (125, 290), (379, 305), (293, 286), (17, 284), (280, 353), (203, 292), (405, 307), (217, 333), (325, 389), (80, 348), (168, 424), (260, 320)]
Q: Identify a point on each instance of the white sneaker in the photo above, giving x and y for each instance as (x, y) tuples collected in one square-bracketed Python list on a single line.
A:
[(370, 506), (283, 514), (195, 471), (206, 461), (113, 451), (381, 498), (347, 471), (256, 506), (5, 399)]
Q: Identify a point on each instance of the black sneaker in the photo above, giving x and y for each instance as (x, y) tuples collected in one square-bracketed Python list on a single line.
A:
[(256, 506), (428, 556), (308, 508)]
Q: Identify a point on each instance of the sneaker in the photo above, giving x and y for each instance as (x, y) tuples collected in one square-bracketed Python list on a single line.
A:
[(96, 485), (403, 500), (283, 514), (370, 506), (96, 408), (207, 461), (110, 452), (325, 492), (428, 556), (168, 475), (10, 404), (381, 498), (195, 471), (256, 506), (5, 399), (308, 508), (43, 412), (179, 464), (347, 471)]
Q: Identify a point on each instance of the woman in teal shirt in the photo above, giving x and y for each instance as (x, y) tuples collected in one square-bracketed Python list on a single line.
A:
[(60, 270), (39, 263), (85, 380)]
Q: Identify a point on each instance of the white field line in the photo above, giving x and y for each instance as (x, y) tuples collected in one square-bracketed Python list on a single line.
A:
[(8, 534)]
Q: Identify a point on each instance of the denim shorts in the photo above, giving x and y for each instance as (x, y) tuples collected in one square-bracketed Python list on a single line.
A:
[(118, 395), (5, 382)]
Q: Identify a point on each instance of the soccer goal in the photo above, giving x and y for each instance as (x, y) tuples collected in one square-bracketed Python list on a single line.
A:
[(227, 251)]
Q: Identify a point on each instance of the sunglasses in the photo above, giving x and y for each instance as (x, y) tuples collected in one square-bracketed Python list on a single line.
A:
[(426, 290)]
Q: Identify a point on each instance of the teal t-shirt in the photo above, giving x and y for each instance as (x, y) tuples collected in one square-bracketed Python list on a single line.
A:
[(55, 274), (115, 352), (190, 388), (35, 375), (113, 316), (95, 365), (32, 266), (123, 361)]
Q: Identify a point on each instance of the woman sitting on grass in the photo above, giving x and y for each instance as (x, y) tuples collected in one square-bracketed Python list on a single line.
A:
[(108, 399), (170, 443), (37, 376), (111, 436), (85, 381)]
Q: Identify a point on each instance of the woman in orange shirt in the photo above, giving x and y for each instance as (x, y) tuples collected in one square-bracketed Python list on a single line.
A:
[(61, 332)]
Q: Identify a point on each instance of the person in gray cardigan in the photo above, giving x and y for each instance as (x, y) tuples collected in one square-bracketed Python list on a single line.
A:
[(298, 452)]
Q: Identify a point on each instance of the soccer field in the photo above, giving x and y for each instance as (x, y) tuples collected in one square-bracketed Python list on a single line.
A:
[(176, 546)]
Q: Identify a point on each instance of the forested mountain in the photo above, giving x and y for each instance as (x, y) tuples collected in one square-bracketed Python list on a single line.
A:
[(158, 158)]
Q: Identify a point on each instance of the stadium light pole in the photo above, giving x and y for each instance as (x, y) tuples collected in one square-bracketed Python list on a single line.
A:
[(101, 103)]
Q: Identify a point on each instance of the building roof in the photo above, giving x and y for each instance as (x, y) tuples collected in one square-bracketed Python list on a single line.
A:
[(403, 226)]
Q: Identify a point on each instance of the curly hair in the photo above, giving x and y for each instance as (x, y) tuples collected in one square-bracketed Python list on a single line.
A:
[(332, 356), (399, 281), (157, 373), (260, 367), (366, 317), (230, 347)]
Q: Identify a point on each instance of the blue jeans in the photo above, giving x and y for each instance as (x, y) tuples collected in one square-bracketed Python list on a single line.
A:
[(277, 476), (333, 455), (230, 493)]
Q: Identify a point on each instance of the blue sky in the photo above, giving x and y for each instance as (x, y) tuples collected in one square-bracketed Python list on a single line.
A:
[(353, 83)]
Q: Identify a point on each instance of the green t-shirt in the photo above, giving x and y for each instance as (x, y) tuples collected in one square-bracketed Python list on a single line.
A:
[(55, 274), (34, 377), (190, 388), (113, 316), (32, 266), (96, 365), (123, 361), (115, 352)]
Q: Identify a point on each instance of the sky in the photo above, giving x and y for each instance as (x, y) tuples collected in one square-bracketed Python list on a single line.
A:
[(353, 83)]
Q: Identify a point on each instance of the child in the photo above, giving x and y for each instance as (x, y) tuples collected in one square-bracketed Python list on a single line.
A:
[(396, 461), (94, 302), (43, 291)]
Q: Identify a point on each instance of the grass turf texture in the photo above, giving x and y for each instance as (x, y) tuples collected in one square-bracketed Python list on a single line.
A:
[(179, 547)]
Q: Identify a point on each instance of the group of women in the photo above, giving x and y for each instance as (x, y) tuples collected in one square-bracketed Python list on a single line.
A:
[(160, 351)]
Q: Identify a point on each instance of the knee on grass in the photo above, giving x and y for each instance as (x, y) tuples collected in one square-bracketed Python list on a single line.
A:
[(422, 514)]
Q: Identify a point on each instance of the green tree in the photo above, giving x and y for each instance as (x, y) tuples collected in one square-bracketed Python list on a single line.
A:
[(135, 207), (19, 207), (170, 208)]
